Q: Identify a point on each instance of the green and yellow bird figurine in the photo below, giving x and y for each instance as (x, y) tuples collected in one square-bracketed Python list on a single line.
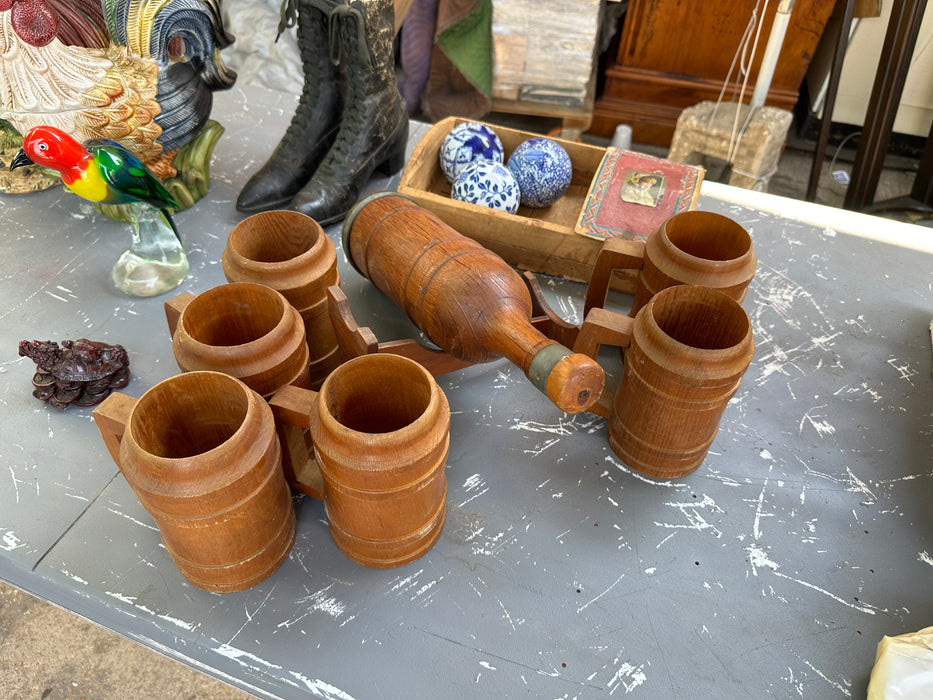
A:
[(104, 172)]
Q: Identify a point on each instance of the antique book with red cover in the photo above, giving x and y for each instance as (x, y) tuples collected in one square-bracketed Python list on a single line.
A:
[(634, 193)]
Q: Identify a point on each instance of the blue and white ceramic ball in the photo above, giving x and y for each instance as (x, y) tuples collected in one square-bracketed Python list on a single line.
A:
[(489, 184), (466, 142), (542, 169)]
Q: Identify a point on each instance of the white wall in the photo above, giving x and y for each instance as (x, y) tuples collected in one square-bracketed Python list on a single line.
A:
[(256, 56), (863, 54)]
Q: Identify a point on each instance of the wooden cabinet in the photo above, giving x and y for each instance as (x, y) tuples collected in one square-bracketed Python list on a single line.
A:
[(673, 54)]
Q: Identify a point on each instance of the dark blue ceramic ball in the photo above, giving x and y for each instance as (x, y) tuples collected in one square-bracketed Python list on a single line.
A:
[(542, 169), (468, 142)]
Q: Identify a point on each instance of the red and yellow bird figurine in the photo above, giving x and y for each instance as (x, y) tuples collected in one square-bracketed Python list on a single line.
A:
[(104, 172), (99, 170)]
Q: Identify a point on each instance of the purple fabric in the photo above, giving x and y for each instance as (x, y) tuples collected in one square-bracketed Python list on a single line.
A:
[(416, 46)]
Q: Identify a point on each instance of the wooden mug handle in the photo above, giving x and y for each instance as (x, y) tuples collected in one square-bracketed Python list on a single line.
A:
[(602, 327), (174, 308), (111, 417), (355, 340), (292, 407), (615, 254)]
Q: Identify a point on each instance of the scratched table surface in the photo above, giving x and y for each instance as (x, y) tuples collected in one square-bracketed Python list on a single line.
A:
[(771, 571)]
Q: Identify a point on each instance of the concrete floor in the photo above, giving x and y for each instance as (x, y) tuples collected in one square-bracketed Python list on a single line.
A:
[(793, 175), (46, 652)]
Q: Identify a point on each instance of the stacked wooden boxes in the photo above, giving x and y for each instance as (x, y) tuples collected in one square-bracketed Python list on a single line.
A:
[(544, 54)]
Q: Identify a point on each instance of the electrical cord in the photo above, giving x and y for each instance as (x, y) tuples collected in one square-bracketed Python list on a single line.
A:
[(832, 162)]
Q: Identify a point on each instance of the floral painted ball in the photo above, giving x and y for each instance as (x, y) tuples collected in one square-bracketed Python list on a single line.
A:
[(542, 169), (489, 184), (465, 143)]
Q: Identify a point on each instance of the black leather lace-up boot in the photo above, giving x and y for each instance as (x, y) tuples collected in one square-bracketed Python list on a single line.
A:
[(317, 118), (373, 130)]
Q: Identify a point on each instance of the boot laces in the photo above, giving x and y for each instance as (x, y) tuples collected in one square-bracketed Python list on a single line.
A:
[(310, 92), (341, 14), (354, 111), (288, 16)]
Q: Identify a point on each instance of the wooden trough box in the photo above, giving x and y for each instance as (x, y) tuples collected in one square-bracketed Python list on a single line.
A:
[(539, 240)]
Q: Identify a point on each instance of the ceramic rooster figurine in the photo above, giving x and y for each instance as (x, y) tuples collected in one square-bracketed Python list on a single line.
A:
[(137, 72), (104, 172)]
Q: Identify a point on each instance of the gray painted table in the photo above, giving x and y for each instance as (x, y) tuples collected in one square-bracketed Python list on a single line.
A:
[(772, 571)]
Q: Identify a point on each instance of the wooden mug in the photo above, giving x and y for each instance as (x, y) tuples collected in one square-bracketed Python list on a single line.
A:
[(688, 349), (380, 429), (692, 247), (201, 453), (291, 253), (243, 329)]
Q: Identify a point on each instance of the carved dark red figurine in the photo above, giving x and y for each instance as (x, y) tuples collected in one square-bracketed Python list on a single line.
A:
[(80, 372)]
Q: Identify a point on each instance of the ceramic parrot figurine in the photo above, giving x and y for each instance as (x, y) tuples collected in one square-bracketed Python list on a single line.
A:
[(99, 170), (104, 172)]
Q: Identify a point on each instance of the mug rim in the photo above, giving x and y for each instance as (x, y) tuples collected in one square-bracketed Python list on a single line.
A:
[(399, 434), (284, 309), (721, 220), (243, 229), (189, 377), (713, 363)]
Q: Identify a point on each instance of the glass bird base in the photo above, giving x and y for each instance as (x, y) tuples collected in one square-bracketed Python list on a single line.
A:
[(143, 277), (155, 262)]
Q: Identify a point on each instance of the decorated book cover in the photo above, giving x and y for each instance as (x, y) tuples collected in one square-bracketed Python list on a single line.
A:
[(634, 193)]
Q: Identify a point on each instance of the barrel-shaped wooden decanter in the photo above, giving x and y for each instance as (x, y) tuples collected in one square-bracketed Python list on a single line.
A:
[(464, 297)]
